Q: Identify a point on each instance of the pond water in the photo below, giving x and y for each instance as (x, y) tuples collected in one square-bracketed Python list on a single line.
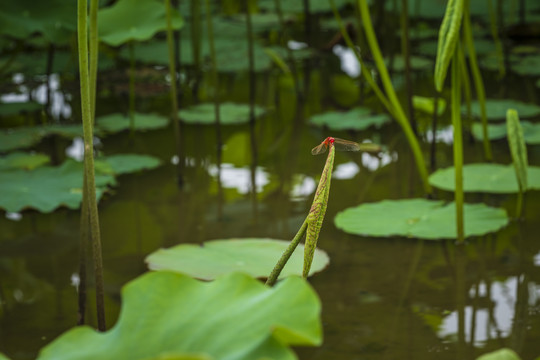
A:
[(382, 298)]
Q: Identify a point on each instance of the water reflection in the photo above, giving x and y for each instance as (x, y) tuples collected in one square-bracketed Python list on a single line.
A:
[(240, 178)]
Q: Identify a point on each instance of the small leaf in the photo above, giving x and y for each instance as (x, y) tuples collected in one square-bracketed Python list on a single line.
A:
[(357, 119), (496, 108), (116, 122), (419, 218), (318, 209), (215, 258), (427, 104), (448, 36), (230, 114), (518, 149), (234, 317), (129, 163)]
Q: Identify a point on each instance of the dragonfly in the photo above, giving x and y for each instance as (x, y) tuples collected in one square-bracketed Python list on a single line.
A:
[(344, 145)]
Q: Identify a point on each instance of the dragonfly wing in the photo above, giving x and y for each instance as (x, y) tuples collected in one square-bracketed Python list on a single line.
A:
[(346, 145), (319, 149)]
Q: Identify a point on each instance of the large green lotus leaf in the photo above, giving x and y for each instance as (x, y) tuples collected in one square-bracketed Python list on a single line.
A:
[(9, 109), (501, 354), (234, 317), (134, 20), (496, 108), (256, 257), (355, 119), (129, 163), (19, 138), (531, 132), (230, 113), (20, 160), (117, 122), (419, 218), (55, 20), (488, 178), (46, 188)]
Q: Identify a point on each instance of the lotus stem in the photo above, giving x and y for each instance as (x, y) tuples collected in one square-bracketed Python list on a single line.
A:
[(131, 88), (458, 143), (287, 254), (89, 158)]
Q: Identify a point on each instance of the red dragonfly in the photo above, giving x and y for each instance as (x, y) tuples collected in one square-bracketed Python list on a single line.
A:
[(344, 145)]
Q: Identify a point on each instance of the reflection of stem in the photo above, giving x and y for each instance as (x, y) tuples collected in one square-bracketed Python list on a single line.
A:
[(131, 88), (287, 254), (89, 159), (174, 96)]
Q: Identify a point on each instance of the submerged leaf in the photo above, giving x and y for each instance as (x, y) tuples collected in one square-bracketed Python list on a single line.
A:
[(234, 317), (419, 218), (488, 178), (318, 209), (518, 149), (215, 258)]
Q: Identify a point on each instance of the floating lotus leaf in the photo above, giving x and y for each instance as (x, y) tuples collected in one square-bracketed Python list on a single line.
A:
[(496, 109), (116, 122), (234, 317), (256, 257), (501, 354), (134, 20), (46, 188), (315, 6), (55, 20), (19, 138), (531, 132), (9, 109), (419, 218), (487, 178), (230, 114), (427, 105), (129, 163), (68, 131), (528, 66), (355, 119), (20, 160)]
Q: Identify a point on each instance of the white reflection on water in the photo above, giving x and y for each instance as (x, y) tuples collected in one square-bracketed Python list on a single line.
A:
[(240, 178), (445, 135), (345, 171), (503, 298), (349, 62), (303, 187), (372, 162)]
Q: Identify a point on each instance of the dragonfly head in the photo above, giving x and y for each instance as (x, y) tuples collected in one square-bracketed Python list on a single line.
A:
[(330, 141)]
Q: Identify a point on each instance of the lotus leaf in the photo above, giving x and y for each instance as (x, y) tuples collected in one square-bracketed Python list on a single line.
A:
[(488, 178), (528, 66), (427, 105), (129, 163), (355, 119), (501, 354), (68, 131), (20, 160), (531, 132), (234, 317), (14, 108), (116, 122), (230, 114), (53, 19), (315, 6), (134, 20), (496, 109), (419, 218), (417, 63), (46, 187), (212, 259), (19, 138)]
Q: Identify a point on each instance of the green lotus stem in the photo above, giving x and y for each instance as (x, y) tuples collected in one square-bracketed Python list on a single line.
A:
[(84, 240), (287, 254), (464, 73), (89, 158), (174, 93), (518, 150), (398, 113), (477, 78), (448, 38), (94, 54), (405, 50), (131, 88), (318, 209), (458, 143)]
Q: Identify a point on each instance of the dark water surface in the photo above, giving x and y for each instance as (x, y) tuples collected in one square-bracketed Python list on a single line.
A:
[(383, 298)]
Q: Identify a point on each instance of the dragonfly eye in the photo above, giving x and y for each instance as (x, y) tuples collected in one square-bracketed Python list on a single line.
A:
[(331, 140)]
